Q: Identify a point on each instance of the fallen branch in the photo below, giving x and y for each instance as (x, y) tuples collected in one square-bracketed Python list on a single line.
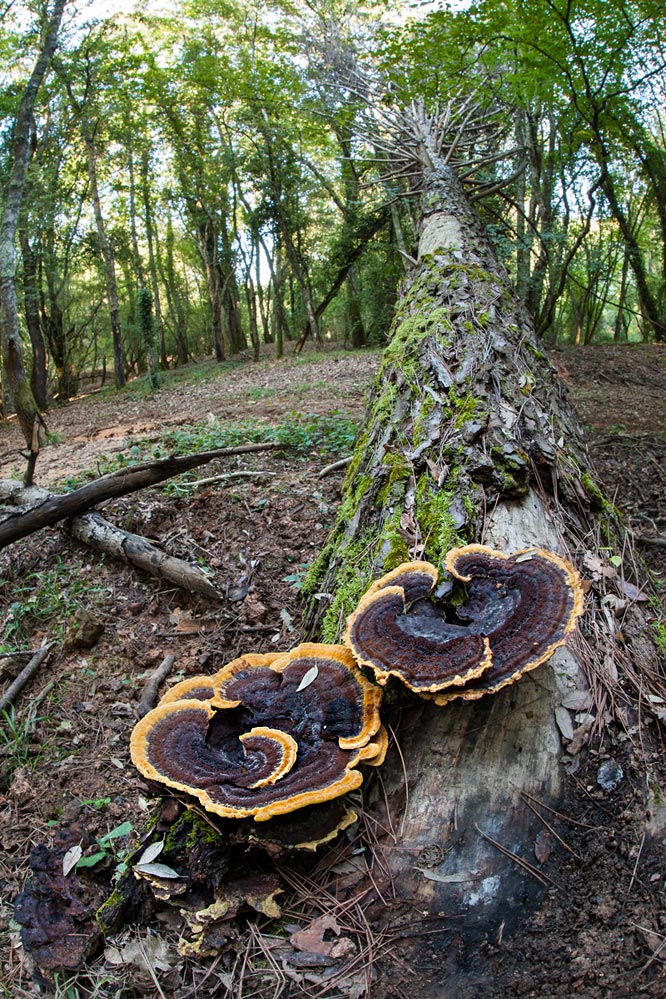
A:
[(42, 509), (241, 474), (649, 539), (94, 530), (334, 466), (152, 685), (19, 683)]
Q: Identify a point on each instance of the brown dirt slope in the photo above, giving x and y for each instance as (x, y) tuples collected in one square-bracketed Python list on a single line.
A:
[(601, 932)]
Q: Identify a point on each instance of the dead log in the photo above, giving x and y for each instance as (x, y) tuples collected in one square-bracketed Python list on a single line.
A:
[(152, 685), (95, 531), (44, 509)]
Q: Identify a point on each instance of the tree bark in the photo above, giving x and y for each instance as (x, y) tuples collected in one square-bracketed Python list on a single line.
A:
[(106, 249), (33, 320), (469, 437)]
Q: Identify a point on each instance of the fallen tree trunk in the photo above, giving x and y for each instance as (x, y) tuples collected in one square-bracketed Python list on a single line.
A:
[(469, 437), (94, 530), (43, 509)]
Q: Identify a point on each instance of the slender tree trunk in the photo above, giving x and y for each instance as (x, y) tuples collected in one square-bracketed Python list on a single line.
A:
[(174, 299), (151, 239), (355, 327), (652, 313), (31, 301), (106, 249), (16, 387), (468, 437)]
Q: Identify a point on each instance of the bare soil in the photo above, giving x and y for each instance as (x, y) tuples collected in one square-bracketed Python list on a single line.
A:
[(601, 930)]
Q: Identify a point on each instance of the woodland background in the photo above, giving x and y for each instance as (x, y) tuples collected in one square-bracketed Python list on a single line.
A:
[(206, 180)]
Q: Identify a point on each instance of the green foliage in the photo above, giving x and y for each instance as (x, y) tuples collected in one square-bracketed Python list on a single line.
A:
[(660, 629), (301, 432)]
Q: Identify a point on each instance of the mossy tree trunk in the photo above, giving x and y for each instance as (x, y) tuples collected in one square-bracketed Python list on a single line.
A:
[(468, 437)]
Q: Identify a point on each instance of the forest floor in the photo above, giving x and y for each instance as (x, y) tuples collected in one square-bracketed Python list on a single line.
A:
[(64, 756)]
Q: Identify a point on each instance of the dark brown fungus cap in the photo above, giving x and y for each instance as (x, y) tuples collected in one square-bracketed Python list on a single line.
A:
[(265, 735), (397, 635), (520, 608), (526, 603)]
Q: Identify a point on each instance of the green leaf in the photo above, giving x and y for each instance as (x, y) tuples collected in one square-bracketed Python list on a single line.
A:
[(93, 859), (122, 830)]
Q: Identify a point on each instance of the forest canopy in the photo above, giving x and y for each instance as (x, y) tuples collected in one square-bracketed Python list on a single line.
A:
[(206, 180)]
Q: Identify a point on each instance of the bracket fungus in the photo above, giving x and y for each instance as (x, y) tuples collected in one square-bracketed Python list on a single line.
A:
[(265, 735), (519, 609)]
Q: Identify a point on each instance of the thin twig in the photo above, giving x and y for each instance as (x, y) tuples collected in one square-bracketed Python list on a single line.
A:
[(404, 773), (240, 474), (650, 961), (559, 815), (149, 968), (14, 688), (334, 467), (551, 829), (638, 857)]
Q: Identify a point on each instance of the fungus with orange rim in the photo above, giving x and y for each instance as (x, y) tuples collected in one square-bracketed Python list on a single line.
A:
[(519, 609), (265, 735)]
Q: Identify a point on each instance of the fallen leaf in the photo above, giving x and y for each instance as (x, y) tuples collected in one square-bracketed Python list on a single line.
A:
[(580, 737), (287, 619), (71, 858), (543, 846), (151, 852), (447, 879), (148, 954), (578, 700), (564, 723), (308, 678), (156, 870), (312, 940), (633, 592)]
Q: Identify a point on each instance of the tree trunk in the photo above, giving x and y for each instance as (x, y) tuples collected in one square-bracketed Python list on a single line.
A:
[(31, 301), (106, 249), (469, 437), (151, 239), (17, 390)]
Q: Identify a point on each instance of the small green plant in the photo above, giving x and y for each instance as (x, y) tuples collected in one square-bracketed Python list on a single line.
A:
[(660, 628), (16, 734), (106, 848), (256, 393), (98, 803), (295, 579), (45, 598)]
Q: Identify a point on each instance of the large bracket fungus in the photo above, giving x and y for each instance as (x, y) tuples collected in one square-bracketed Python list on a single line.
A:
[(266, 734), (519, 609)]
